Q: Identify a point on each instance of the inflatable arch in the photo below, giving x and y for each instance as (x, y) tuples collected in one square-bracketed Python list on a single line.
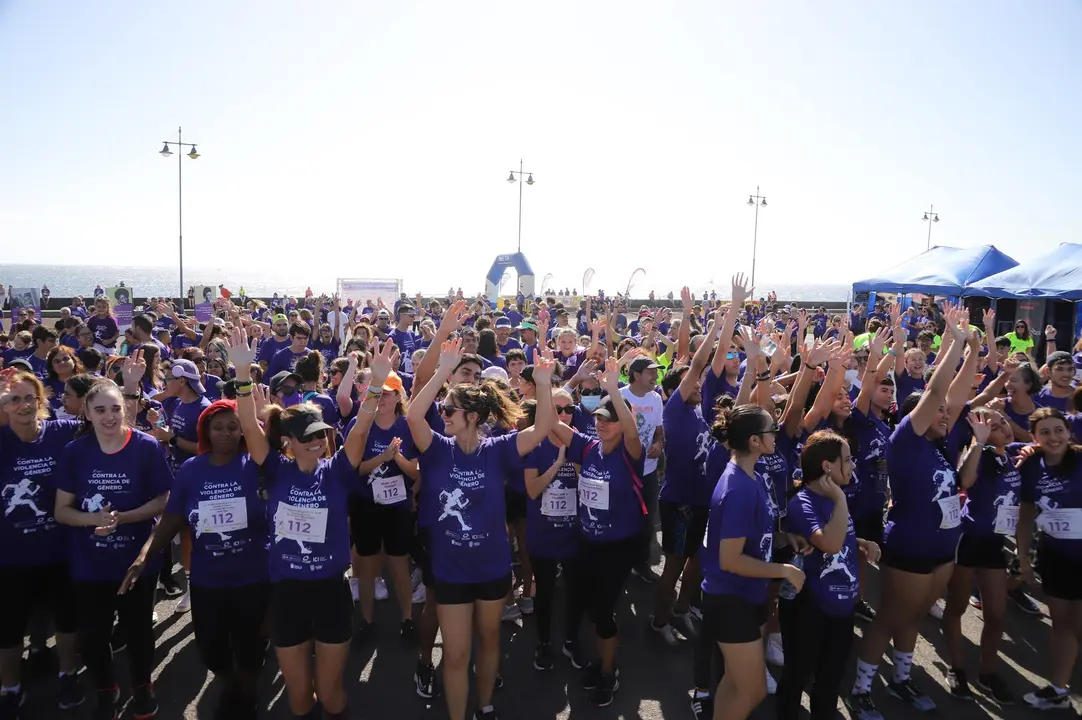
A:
[(518, 262)]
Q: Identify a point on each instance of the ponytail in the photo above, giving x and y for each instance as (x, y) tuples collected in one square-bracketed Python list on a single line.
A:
[(272, 426)]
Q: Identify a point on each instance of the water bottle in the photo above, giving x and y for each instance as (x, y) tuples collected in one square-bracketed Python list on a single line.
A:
[(788, 591)]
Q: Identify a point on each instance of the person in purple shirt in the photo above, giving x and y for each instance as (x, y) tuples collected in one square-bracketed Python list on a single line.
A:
[(817, 624), (311, 609), (403, 336), (527, 331), (34, 549), (215, 497), (43, 340), (503, 335), (328, 343), (278, 340), (112, 483), (60, 365), (924, 525), (183, 400), (1051, 499), (286, 358), (736, 561), (1057, 393), (104, 326), (462, 477)]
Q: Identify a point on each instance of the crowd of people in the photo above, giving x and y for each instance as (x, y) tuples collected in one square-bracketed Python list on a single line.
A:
[(298, 460)]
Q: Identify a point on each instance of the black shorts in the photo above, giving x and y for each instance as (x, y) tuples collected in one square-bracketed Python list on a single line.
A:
[(422, 555), (911, 563), (870, 527), (732, 619), (376, 527), (25, 589), (303, 610), (515, 503), (1061, 576), (982, 551), (448, 593), (682, 528)]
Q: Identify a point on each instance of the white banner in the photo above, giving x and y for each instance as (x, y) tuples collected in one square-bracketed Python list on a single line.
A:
[(360, 290)]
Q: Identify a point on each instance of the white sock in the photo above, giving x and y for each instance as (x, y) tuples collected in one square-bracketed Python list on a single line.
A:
[(774, 638)]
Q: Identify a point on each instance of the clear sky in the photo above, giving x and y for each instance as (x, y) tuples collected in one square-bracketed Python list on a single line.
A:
[(370, 139)]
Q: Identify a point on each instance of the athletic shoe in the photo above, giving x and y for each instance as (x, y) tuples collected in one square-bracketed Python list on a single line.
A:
[(771, 683), (959, 686), (406, 629), (862, 707), (775, 654), (1024, 602), (975, 599), (489, 714), (1048, 698), (144, 704), (696, 612), (106, 704), (355, 589), (908, 693), (685, 625), (666, 632), (69, 695), (994, 687), (381, 589), (542, 657), (184, 604), (936, 610), (591, 676), (525, 604), (416, 578), (424, 678), (864, 611), (646, 574), (702, 707), (607, 685), (420, 594), (511, 613), (573, 652), (170, 586)]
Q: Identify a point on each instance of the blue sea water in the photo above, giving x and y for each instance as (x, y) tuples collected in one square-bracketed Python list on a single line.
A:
[(69, 280)]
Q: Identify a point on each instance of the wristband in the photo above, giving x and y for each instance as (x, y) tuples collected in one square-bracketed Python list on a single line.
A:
[(892, 351), (763, 376), (244, 394), (375, 393), (245, 386), (813, 367)]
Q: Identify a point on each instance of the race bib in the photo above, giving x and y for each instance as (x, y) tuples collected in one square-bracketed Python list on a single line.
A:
[(1064, 524), (951, 510), (389, 490), (306, 525), (559, 503), (222, 516), (1006, 519), (594, 494)]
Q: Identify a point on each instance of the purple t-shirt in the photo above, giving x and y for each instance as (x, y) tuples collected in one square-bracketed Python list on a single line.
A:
[(383, 479), (407, 341), (830, 577), (584, 422), (1052, 488), (125, 480), (1044, 398), (40, 366), (687, 442), (739, 508), (183, 420), (907, 385), (552, 517), (327, 405), (426, 511), (309, 520), (464, 494), (284, 359), (269, 347), (925, 517), (228, 521), (104, 328), (871, 466), (713, 388), (998, 485), (571, 362), (29, 534), (610, 491)]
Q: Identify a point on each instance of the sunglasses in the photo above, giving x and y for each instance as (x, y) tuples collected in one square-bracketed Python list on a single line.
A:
[(312, 437), (731, 356), (566, 410), (449, 410), (590, 391)]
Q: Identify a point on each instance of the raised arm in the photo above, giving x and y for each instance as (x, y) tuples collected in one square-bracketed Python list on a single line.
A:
[(610, 382), (358, 436), (690, 381), (740, 293), (449, 323), (532, 436), (877, 368), (960, 388), (683, 337), (936, 393), (132, 370), (449, 355), (243, 354), (793, 419)]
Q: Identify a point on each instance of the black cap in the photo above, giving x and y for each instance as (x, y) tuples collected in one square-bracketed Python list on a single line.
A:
[(304, 422), (228, 388), (278, 379), (606, 409), (1059, 356), (639, 364)]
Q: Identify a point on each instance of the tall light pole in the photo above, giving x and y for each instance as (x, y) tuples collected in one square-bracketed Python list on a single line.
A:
[(930, 217), (529, 181), (755, 200), (166, 152)]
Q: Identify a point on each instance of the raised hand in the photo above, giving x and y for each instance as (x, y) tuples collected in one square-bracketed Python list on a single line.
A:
[(543, 368), (981, 429), (1049, 332), (382, 362), (685, 298), (740, 290), (878, 342), (241, 351), (609, 378), (989, 321), (751, 347), (133, 368), (450, 354), (452, 319)]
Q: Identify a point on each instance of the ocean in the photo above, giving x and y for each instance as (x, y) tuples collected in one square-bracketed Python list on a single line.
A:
[(70, 280)]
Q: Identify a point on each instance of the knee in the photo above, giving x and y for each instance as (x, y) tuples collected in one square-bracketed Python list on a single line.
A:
[(456, 658), (489, 636)]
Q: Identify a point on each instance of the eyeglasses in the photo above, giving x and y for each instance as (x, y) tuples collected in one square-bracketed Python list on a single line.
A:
[(861, 358), (566, 410), (774, 429), (449, 410), (199, 360)]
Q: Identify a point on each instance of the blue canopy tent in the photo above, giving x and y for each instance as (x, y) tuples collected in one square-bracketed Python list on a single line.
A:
[(1056, 276), (939, 271)]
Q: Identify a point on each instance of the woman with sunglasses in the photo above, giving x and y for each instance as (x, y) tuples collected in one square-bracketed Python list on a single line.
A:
[(113, 482), (462, 485), (216, 498), (924, 524), (60, 365), (208, 379), (34, 549), (1021, 339), (311, 607)]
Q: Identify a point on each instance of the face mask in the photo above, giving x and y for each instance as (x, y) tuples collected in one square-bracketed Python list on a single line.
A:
[(591, 402), (291, 399)]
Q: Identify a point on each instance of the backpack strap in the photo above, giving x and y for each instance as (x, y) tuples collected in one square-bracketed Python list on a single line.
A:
[(636, 481)]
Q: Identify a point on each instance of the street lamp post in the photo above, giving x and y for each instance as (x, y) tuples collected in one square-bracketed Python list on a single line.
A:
[(529, 181), (930, 217), (166, 152), (755, 200)]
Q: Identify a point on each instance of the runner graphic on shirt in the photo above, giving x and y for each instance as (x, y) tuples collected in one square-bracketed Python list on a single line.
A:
[(837, 561), (22, 494), (193, 521), (94, 504), (453, 505)]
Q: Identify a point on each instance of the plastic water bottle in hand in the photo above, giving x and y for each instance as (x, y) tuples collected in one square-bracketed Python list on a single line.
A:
[(787, 590)]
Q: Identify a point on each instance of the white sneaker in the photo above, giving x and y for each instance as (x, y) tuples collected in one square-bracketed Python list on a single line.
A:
[(184, 604), (511, 613), (420, 594), (771, 683), (775, 654), (666, 632), (355, 589), (936, 610), (525, 604), (381, 589), (416, 578)]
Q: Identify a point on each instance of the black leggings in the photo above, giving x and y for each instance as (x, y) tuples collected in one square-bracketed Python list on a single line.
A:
[(601, 572), (816, 646), (98, 602), (544, 572), (228, 626)]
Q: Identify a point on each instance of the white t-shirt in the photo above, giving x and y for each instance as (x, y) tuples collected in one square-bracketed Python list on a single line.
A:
[(647, 409), (343, 330)]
